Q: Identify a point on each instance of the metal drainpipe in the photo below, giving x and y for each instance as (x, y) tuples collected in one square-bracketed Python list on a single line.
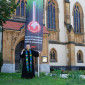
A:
[(1, 38), (1, 41)]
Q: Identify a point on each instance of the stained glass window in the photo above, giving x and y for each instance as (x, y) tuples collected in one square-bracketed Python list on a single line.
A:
[(79, 57), (74, 22), (22, 8), (79, 23), (77, 26), (51, 16), (48, 17), (54, 17), (53, 55), (25, 7), (18, 9)]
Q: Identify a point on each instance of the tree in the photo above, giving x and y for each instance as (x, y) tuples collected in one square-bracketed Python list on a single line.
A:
[(7, 8)]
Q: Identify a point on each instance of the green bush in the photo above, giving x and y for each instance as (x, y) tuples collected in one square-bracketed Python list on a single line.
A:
[(84, 72), (75, 74), (66, 72), (42, 74), (56, 73), (1, 61), (53, 72)]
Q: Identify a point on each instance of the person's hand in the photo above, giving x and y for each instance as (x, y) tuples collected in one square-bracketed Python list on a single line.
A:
[(23, 50), (39, 52)]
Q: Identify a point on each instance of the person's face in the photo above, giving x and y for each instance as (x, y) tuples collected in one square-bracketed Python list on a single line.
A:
[(27, 47)]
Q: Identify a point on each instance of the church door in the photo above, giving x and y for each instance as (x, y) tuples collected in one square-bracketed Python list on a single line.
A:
[(18, 61)]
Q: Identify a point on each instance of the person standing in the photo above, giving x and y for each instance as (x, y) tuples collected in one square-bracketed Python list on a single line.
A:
[(28, 63)]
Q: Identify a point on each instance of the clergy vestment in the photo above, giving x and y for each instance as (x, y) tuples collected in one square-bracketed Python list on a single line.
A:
[(28, 63)]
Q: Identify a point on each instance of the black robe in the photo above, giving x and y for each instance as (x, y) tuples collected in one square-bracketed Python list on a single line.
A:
[(29, 74)]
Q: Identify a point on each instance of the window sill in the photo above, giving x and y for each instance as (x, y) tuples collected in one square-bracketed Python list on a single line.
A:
[(53, 61), (52, 30), (79, 61), (79, 33)]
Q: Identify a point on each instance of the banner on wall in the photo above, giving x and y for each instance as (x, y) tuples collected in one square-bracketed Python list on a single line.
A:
[(34, 24)]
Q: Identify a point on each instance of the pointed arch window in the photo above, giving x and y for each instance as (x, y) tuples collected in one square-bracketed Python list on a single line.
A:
[(18, 9), (77, 25), (79, 57), (53, 55), (22, 8), (51, 16), (25, 7)]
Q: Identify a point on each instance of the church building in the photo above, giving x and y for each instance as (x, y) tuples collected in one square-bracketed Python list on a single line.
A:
[(63, 36)]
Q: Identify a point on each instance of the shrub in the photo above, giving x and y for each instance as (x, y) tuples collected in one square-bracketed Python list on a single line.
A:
[(75, 74), (56, 73), (66, 72), (1, 61), (84, 72), (42, 74)]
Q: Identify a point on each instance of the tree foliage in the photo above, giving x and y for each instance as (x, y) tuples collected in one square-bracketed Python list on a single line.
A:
[(7, 8)]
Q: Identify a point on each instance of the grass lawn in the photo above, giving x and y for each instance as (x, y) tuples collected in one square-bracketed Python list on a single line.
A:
[(15, 79)]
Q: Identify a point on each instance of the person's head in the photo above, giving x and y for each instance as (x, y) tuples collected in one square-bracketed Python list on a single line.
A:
[(28, 47)]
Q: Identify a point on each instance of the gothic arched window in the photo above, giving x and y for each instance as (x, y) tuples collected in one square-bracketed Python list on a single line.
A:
[(53, 55), (18, 9), (22, 8), (78, 18), (51, 16), (79, 57), (25, 7)]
